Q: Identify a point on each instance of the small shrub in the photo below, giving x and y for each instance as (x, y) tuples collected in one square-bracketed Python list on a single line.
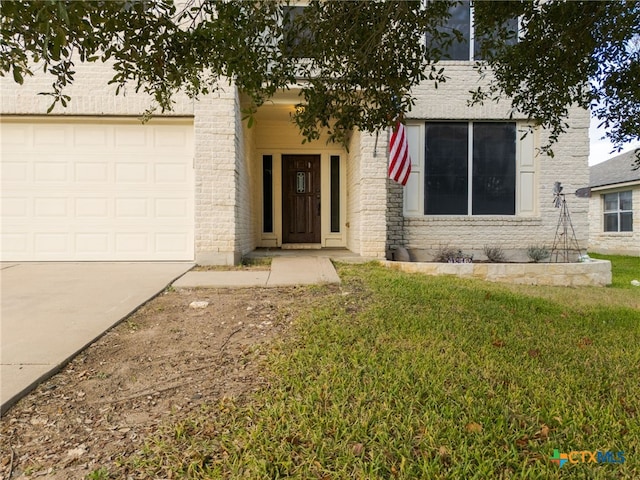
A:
[(494, 254), (452, 255), (538, 253), (444, 254)]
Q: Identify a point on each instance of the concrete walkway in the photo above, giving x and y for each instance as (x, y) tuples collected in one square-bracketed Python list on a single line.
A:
[(285, 271), (52, 311)]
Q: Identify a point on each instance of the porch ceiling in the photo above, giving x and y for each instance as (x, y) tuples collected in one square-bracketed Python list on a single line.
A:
[(279, 107), (275, 112)]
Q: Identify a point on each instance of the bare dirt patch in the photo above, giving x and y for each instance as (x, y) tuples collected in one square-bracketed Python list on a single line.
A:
[(164, 361)]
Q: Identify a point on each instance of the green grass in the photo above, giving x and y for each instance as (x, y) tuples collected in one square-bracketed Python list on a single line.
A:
[(624, 269), (404, 376)]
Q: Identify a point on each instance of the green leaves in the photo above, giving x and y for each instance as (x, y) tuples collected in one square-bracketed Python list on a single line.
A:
[(357, 64), (569, 53), (17, 75)]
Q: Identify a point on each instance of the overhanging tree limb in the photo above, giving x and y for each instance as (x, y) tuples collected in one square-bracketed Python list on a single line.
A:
[(359, 60)]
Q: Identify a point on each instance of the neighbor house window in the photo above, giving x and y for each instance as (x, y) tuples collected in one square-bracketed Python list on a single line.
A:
[(470, 168), (618, 214), (465, 45)]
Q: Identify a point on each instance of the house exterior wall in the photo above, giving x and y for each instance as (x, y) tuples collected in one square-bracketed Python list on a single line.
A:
[(221, 176), (424, 235), (228, 156), (368, 204), (246, 171), (216, 180), (90, 95), (354, 206), (613, 243), (274, 134)]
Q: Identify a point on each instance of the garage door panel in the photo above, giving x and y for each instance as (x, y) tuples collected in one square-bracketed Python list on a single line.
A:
[(166, 137), (130, 138), (52, 243), (15, 136), (51, 207), (101, 192), (16, 243), (92, 244), (51, 172), (170, 173), (14, 171), (51, 136), (87, 207), (132, 208), (92, 136), (91, 172), (15, 207)]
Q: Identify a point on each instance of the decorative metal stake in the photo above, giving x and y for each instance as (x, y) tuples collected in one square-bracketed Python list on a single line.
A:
[(565, 242)]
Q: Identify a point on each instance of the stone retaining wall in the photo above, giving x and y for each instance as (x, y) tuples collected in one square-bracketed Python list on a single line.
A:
[(594, 273)]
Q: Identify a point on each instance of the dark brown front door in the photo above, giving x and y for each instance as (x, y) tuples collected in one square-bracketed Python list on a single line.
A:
[(301, 199)]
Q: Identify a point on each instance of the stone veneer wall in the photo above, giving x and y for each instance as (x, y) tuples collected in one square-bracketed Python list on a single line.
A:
[(354, 160), (395, 219), (216, 179), (248, 169), (371, 196), (594, 273), (90, 95), (424, 235), (613, 243)]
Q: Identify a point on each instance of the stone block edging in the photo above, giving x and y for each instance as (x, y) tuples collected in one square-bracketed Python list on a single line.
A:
[(593, 273)]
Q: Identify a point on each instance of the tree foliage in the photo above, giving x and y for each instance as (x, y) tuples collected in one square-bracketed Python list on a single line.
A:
[(569, 53), (354, 62)]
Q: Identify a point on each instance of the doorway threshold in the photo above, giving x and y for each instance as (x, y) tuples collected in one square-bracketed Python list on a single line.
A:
[(301, 246)]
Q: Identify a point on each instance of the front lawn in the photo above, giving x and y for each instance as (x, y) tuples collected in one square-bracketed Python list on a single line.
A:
[(624, 269), (404, 376)]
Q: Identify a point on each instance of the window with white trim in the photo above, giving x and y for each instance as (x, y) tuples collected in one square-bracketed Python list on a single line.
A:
[(298, 39), (465, 45), (471, 169), (618, 212)]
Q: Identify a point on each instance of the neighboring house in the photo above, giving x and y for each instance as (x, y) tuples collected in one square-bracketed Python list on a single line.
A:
[(90, 182), (614, 207)]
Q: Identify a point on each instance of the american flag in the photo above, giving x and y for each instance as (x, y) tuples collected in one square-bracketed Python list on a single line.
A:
[(399, 159)]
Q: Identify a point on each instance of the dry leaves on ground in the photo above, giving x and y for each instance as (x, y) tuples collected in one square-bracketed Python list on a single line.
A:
[(159, 364)]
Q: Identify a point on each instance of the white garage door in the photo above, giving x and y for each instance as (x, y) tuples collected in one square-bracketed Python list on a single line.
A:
[(94, 189)]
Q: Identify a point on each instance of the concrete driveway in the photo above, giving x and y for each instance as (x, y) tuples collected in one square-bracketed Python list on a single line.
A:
[(51, 311)]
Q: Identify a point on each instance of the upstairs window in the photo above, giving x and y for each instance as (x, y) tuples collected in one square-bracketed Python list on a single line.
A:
[(464, 45), (298, 38), (618, 212)]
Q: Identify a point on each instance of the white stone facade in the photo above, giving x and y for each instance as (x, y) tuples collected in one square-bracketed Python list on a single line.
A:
[(228, 170), (536, 218)]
